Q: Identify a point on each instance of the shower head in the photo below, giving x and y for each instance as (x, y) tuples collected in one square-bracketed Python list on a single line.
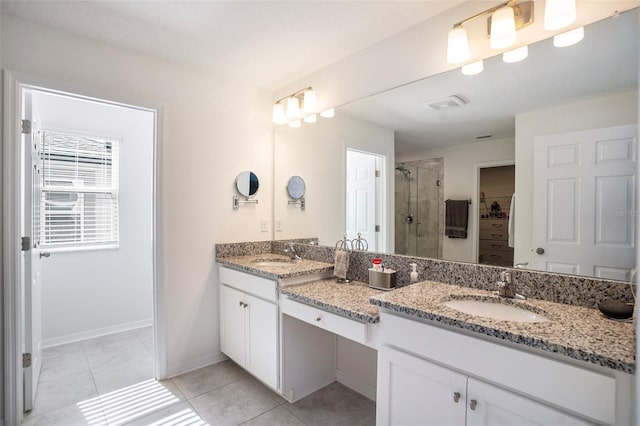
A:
[(405, 172)]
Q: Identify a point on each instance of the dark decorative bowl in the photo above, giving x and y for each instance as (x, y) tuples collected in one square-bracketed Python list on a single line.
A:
[(616, 309)]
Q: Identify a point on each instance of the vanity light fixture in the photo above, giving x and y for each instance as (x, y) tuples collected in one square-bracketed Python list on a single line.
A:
[(503, 22), (301, 104), (569, 38), (559, 14), (515, 55), (295, 124), (311, 118), (473, 68)]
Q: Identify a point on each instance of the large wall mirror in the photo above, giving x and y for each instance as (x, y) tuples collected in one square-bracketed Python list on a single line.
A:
[(557, 129)]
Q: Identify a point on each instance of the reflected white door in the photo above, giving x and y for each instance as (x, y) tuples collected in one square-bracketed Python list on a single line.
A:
[(361, 196), (31, 256), (584, 202)]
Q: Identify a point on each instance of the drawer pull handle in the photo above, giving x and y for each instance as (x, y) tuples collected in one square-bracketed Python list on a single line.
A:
[(473, 404), (456, 396), (319, 319), (240, 303), (496, 246), (496, 235), (496, 225)]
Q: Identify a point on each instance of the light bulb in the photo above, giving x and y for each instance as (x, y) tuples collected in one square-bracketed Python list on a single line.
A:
[(503, 28), (515, 55), (473, 68), (569, 38), (278, 114), (311, 118), (458, 45), (329, 113), (559, 14), (309, 102), (293, 107), (295, 124)]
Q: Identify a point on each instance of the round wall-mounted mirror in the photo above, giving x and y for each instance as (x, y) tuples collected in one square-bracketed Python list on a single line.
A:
[(296, 187), (247, 183)]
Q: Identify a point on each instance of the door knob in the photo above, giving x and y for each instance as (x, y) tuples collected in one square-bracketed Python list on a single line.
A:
[(540, 250), (44, 254)]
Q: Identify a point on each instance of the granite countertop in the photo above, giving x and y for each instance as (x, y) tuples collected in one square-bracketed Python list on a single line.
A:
[(572, 331), (293, 268), (350, 300)]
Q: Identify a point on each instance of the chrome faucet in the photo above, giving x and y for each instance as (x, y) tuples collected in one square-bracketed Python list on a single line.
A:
[(291, 251), (507, 288)]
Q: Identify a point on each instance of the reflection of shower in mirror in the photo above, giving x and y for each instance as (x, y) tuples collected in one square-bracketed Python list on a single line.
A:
[(407, 175)]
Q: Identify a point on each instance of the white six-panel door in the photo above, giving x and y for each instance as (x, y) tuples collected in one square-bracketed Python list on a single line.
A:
[(585, 203), (361, 197)]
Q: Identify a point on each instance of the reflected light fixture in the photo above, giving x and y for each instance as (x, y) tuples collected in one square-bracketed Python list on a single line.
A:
[(568, 38), (503, 28), (329, 113), (559, 14), (301, 104), (473, 68), (515, 55), (504, 20)]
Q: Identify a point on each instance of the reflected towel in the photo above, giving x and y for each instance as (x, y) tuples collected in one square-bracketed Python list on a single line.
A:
[(456, 218), (341, 264), (512, 221)]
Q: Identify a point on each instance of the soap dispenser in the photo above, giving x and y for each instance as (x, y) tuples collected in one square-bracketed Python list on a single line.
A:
[(414, 273)]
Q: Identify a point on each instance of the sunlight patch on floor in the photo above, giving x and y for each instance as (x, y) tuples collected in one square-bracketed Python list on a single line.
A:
[(126, 404)]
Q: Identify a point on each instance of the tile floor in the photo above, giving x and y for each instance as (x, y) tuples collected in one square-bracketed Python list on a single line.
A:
[(109, 381)]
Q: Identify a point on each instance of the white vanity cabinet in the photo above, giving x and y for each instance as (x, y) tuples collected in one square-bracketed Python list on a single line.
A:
[(428, 374), (249, 323), (419, 392)]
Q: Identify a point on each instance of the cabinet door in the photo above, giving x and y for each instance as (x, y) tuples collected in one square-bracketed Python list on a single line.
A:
[(262, 340), (498, 407), (412, 391), (232, 324)]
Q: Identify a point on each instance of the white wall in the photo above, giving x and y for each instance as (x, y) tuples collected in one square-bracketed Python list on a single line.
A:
[(604, 111), (88, 293), (460, 168), (212, 129), (317, 153)]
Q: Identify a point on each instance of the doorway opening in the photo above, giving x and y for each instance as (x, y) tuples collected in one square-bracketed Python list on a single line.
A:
[(496, 226), (366, 212), (82, 284)]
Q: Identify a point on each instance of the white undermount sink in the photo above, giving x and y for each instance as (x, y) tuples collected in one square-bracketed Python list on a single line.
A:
[(273, 263), (495, 310)]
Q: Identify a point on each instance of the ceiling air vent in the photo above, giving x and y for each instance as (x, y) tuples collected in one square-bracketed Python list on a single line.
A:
[(453, 101)]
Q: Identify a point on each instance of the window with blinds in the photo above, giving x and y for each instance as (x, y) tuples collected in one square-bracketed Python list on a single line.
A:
[(79, 200)]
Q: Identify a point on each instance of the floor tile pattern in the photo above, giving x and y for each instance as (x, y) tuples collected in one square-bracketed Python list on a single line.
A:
[(108, 381)]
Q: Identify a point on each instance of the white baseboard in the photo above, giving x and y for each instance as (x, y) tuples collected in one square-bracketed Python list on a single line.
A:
[(185, 366), (356, 385), (90, 334)]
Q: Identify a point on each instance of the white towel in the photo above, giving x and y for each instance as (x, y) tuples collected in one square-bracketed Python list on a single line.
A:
[(341, 264), (512, 221)]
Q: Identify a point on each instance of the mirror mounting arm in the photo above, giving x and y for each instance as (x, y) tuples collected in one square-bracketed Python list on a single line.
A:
[(237, 201)]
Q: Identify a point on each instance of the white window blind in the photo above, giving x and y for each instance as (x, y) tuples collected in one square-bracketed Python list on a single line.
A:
[(79, 202)]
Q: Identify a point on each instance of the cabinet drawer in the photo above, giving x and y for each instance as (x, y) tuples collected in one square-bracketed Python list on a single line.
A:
[(345, 327), (257, 286), (494, 234), (497, 256), (493, 245), (494, 224)]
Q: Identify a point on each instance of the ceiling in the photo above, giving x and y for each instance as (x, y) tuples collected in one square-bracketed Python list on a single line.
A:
[(605, 61), (263, 43)]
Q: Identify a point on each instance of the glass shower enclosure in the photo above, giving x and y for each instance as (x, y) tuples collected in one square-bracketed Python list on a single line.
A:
[(419, 208)]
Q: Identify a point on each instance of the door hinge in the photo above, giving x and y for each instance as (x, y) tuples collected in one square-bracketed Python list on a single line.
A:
[(377, 228), (26, 360), (26, 127), (378, 174), (26, 243)]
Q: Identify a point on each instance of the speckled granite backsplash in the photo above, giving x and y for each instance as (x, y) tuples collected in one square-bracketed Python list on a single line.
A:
[(568, 289)]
